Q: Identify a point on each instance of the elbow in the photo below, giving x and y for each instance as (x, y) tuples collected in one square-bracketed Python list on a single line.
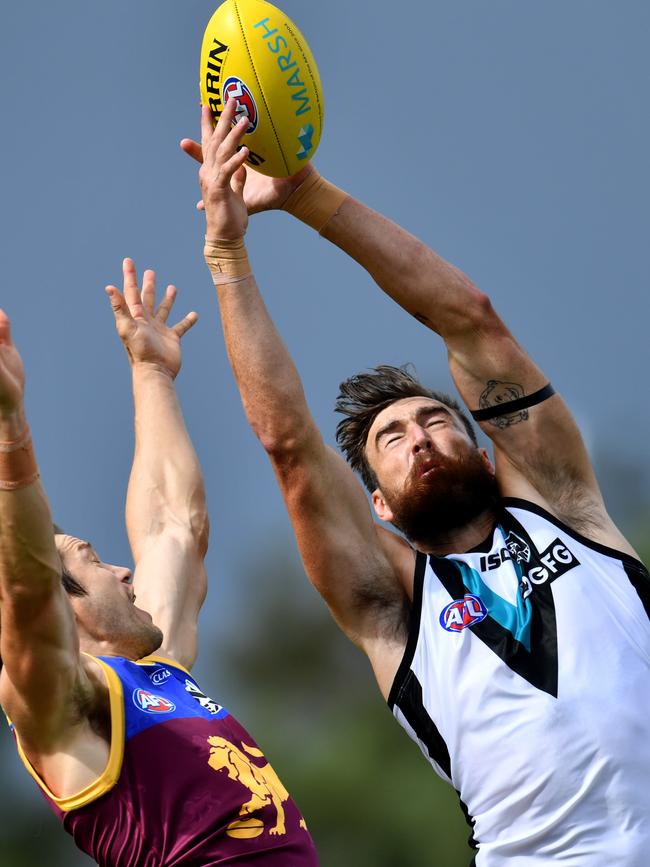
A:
[(29, 592), (277, 445), (200, 532), (191, 530), (289, 439), (197, 523), (192, 521), (475, 314), (190, 536), (480, 305)]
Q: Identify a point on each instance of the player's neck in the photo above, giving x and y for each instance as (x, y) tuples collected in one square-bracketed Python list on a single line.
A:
[(95, 647), (458, 540)]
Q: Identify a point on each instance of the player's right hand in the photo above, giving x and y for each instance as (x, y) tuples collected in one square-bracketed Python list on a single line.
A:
[(261, 193), (12, 372)]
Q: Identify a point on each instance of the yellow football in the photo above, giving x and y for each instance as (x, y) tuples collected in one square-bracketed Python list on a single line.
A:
[(253, 53)]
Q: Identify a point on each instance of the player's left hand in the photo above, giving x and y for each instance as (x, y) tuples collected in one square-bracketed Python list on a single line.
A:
[(261, 193), (142, 328)]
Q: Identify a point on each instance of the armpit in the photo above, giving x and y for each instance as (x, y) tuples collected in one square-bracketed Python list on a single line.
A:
[(384, 608)]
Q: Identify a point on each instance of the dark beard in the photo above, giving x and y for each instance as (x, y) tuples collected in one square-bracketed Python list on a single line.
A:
[(457, 491)]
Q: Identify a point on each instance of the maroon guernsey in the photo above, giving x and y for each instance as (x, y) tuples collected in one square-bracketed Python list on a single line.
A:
[(185, 784)]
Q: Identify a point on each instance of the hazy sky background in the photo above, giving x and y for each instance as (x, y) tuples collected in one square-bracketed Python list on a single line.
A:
[(513, 136)]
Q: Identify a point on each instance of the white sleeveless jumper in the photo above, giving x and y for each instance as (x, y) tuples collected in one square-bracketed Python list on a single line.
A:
[(526, 684)]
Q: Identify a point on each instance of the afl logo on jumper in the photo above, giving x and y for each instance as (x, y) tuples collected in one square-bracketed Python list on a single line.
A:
[(151, 703), (461, 613), (234, 88)]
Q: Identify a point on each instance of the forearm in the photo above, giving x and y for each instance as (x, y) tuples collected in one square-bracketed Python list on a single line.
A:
[(29, 563), (166, 492), (267, 379), (268, 382), (413, 275)]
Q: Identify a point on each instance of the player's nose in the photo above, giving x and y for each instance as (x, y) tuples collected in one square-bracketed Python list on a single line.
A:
[(420, 439), (123, 573)]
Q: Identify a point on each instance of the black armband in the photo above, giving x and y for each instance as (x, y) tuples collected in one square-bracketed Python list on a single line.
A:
[(512, 406)]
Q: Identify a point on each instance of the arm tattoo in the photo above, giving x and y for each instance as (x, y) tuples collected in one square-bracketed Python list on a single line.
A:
[(504, 403), (498, 393)]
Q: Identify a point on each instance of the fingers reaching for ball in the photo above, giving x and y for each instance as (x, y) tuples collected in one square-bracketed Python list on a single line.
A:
[(222, 175), (222, 146), (192, 149)]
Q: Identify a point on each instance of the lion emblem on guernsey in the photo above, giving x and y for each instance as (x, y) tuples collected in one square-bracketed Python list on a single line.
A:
[(261, 781)]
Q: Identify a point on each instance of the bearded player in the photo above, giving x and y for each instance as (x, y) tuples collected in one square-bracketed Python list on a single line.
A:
[(140, 766), (509, 629)]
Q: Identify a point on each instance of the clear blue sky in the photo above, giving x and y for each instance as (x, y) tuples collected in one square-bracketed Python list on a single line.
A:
[(512, 136)]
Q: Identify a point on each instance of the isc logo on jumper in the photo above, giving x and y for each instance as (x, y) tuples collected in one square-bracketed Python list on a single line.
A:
[(234, 88), (461, 613), (151, 703)]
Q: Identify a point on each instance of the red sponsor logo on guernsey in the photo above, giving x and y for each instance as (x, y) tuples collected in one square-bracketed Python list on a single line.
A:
[(152, 703), (461, 613)]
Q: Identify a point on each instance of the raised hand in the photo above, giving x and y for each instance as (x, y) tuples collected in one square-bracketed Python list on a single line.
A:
[(261, 193), (142, 328), (223, 174), (12, 372)]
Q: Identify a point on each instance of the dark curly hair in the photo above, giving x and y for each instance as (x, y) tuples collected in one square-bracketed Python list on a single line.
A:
[(362, 397)]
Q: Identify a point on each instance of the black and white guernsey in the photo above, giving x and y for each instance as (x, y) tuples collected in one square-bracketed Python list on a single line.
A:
[(526, 683)]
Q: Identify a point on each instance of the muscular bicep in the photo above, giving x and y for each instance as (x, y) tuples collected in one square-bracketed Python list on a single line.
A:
[(539, 451), (38, 637), (42, 672), (540, 445), (340, 545)]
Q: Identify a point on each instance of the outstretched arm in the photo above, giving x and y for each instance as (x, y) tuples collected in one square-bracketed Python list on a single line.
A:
[(166, 514), (341, 547), (539, 451), (42, 681)]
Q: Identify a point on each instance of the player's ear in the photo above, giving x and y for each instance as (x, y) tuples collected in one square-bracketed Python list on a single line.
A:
[(381, 507), (486, 460)]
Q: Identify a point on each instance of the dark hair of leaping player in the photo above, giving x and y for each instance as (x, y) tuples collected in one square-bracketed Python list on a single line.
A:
[(508, 626), (138, 763)]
